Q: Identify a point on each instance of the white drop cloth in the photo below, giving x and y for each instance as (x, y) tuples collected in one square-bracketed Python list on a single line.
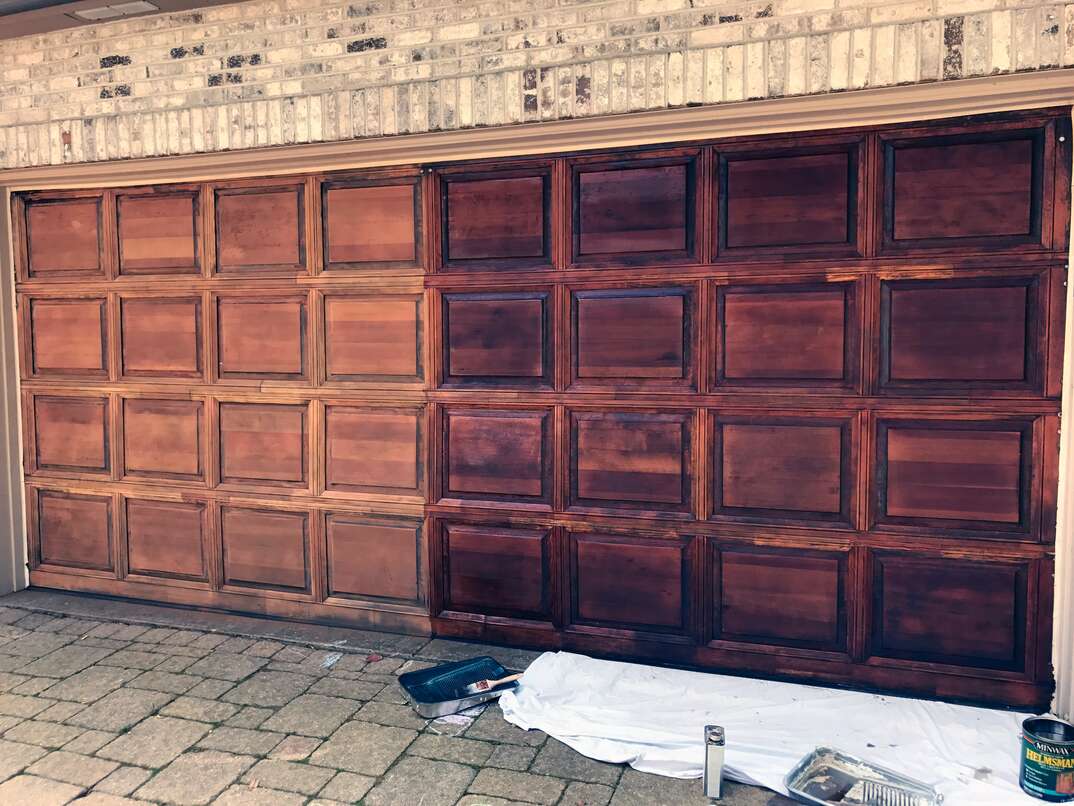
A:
[(652, 718)]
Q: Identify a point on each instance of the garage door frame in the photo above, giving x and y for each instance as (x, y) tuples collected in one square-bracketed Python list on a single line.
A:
[(870, 107)]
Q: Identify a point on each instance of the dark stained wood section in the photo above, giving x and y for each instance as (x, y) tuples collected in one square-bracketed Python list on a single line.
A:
[(161, 337), (778, 404), (163, 438), (260, 228), (166, 539), (368, 224), (497, 570), (780, 596), (265, 549), (69, 337), (372, 558), (74, 530), (158, 233), (793, 200)]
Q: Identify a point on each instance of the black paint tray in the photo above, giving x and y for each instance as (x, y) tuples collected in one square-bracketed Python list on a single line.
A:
[(437, 691)]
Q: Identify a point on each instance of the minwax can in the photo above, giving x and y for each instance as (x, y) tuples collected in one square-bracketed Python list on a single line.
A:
[(1048, 759)]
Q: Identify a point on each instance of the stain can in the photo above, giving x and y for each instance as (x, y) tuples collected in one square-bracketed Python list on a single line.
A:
[(1048, 759)]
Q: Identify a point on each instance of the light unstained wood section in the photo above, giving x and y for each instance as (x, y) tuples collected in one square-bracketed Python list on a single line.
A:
[(368, 557), (370, 449), (161, 337), (370, 224), (373, 337), (158, 233), (166, 539)]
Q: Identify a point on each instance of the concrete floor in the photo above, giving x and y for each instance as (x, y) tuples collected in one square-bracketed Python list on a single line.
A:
[(106, 702)]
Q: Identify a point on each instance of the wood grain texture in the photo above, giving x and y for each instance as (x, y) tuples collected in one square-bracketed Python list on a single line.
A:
[(497, 339), (71, 434), (638, 209), (166, 539), (163, 438), (263, 444), (63, 238), (373, 449), (260, 228), (158, 233), (262, 337), (265, 548), (161, 337), (371, 558), (371, 225), (69, 337), (373, 338), (497, 455), (497, 570), (75, 530)]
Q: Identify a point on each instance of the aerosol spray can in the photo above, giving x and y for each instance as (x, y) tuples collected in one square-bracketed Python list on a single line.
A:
[(714, 741)]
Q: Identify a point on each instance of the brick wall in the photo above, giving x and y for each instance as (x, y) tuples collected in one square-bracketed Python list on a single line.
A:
[(288, 71)]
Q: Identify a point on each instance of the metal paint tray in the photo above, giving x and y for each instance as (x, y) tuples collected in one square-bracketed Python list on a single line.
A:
[(434, 692), (831, 778)]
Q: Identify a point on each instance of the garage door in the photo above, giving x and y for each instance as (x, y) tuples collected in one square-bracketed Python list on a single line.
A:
[(785, 405)]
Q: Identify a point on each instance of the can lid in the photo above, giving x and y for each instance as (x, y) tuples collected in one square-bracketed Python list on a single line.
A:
[(714, 734)]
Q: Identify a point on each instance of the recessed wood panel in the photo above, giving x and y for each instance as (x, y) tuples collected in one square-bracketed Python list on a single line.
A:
[(162, 438), (370, 225), (373, 338), (780, 596), (632, 583), (63, 238), (643, 209), (954, 474), (263, 337), (795, 335), (497, 454), (947, 610), (373, 558), (265, 548), (372, 449), (789, 201), (631, 460), (772, 467), (161, 337), (69, 336), (498, 339), (263, 443), (497, 570), (496, 220), (633, 337), (74, 530), (158, 233), (260, 228), (71, 433), (166, 538), (973, 334), (981, 190)]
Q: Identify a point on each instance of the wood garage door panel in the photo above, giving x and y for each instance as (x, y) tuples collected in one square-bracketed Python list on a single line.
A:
[(496, 570), (373, 449), (71, 434), (368, 225), (778, 467), (158, 233), (161, 337), (945, 610), (163, 438), (69, 337), (497, 455), (373, 338), (496, 220), (638, 211), (952, 475), (625, 582), (262, 337), (938, 336), (788, 336), (265, 548), (373, 558), (633, 337), (63, 238), (166, 539), (497, 339), (260, 228), (631, 460), (780, 596), (980, 189), (74, 530), (264, 444), (799, 200)]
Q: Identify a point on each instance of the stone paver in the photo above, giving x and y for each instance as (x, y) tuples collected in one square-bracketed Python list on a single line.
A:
[(420, 780), (195, 778), (118, 714), (155, 742), (363, 747), (29, 790)]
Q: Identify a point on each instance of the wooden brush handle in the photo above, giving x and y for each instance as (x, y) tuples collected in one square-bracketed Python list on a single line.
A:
[(487, 685)]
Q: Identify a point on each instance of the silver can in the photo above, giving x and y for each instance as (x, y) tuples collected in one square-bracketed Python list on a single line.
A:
[(714, 745)]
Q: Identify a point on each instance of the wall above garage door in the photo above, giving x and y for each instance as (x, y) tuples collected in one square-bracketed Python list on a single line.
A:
[(778, 404)]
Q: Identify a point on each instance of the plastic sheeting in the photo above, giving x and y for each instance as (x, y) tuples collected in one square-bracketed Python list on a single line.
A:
[(652, 718)]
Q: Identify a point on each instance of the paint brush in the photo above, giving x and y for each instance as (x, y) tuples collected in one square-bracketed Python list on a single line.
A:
[(487, 685)]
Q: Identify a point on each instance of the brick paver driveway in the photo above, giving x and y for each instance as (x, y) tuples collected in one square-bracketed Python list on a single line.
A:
[(101, 705)]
